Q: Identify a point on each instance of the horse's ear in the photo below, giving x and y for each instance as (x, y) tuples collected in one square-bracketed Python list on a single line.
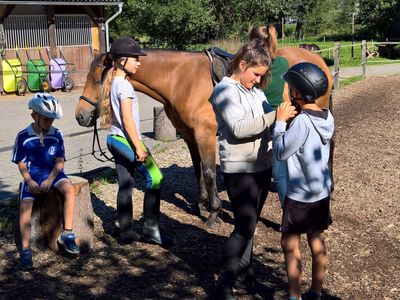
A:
[(96, 52), (107, 59)]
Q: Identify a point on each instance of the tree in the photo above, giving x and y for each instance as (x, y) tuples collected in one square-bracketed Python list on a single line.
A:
[(332, 17), (379, 18), (170, 23)]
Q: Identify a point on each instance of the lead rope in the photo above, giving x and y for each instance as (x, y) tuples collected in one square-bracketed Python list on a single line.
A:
[(102, 153)]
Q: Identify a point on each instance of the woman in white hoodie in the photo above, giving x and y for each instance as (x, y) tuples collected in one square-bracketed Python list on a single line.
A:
[(244, 118)]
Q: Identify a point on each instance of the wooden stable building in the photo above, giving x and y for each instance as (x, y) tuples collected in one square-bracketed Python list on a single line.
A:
[(73, 27)]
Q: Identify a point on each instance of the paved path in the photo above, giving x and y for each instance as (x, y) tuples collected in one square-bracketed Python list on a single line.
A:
[(377, 69), (15, 116)]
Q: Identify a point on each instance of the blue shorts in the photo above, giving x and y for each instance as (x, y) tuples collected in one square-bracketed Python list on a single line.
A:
[(25, 194)]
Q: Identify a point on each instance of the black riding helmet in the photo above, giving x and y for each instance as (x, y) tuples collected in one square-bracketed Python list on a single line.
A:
[(308, 79), (125, 47)]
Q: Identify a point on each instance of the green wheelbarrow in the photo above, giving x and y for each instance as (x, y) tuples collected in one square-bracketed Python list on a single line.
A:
[(37, 74)]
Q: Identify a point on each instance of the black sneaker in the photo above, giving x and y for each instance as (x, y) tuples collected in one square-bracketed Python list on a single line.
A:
[(25, 260)]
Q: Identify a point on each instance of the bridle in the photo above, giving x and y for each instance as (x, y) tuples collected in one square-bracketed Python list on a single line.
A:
[(103, 75), (88, 100), (96, 139)]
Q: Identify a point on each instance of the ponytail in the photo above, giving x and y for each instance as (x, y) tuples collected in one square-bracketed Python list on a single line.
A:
[(105, 99), (268, 37)]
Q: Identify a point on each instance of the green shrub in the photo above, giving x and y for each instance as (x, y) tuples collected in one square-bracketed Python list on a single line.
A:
[(396, 51)]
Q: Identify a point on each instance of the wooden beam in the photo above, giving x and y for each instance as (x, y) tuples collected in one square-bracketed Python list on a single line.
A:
[(6, 12), (52, 31), (93, 16)]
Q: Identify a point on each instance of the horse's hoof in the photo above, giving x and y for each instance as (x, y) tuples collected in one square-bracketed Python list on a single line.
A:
[(213, 220), (210, 223), (202, 208)]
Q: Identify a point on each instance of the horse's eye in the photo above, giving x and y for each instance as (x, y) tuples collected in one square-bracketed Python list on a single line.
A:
[(97, 82)]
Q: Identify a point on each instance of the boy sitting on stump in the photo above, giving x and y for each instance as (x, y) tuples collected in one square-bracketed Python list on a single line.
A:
[(39, 153)]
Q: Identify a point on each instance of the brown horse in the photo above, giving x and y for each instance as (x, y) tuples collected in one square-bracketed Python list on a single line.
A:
[(182, 82)]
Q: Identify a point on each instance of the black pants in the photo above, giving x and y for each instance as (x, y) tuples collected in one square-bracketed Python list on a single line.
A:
[(247, 193)]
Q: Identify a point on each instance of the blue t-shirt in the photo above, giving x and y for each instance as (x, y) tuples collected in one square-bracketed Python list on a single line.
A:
[(40, 158)]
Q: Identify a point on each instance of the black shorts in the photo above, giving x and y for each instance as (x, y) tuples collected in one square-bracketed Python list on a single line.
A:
[(300, 217)]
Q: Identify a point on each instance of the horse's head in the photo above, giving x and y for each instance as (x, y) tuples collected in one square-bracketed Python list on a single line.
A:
[(87, 111)]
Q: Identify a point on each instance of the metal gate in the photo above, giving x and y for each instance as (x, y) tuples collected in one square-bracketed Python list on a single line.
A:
[(26, 31), (73, 30), (30, 31)]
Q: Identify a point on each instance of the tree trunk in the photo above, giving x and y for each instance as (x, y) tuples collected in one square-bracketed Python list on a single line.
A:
[(163, 128), (47, 218)]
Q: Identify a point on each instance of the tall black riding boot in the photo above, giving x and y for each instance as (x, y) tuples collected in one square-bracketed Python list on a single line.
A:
[(234, 251), (224, 289), (151, 212), (244, 277), (125, 214)]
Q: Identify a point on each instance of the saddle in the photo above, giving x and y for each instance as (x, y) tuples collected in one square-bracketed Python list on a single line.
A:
[(219, 63)]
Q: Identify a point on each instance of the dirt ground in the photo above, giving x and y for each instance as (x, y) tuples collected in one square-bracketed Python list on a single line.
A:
[(363, 242)]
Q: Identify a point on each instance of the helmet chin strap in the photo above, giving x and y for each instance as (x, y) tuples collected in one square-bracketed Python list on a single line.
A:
[(123, 66), (41, 132)]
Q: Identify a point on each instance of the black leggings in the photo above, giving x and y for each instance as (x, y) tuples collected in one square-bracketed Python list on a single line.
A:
[(247, 193)]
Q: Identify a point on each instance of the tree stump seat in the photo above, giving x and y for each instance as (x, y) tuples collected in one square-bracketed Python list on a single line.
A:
[(163, 128), (47, 218)]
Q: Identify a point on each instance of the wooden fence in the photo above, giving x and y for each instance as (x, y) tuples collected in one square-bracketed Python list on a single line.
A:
[(367, 57)]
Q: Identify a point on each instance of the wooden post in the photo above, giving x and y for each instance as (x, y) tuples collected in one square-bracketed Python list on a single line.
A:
[(47, 218), (364, 57), (336, 66), (52, 31), (163, 128), (352, 34)]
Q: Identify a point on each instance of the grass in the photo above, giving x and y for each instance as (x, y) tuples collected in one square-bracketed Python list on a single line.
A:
[(345, 56), (350, 80), (327, 52), (103, 178)]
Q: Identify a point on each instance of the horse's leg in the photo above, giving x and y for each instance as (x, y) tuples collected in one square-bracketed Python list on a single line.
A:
[(207, 149), (201, 204)]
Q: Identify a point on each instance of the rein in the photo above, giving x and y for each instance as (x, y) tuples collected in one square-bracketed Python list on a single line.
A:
[(97, 140)]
